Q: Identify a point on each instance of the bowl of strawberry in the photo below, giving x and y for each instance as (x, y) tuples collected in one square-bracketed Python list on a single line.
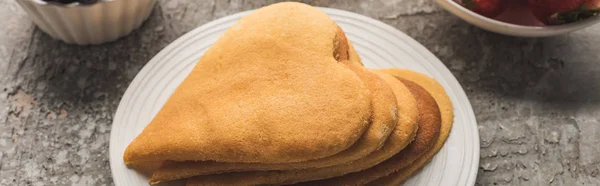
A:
[(526, 18)]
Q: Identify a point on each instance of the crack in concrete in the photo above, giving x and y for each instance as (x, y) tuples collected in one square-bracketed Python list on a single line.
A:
[(406, 14)]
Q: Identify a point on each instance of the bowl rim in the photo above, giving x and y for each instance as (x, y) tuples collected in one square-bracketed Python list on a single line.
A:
[(73, 4), (454, 8)]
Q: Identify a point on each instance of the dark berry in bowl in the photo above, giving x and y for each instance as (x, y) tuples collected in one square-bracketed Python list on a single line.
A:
[(87, 2)]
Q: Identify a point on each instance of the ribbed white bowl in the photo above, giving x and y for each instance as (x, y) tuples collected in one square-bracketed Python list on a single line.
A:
[(104, 21)]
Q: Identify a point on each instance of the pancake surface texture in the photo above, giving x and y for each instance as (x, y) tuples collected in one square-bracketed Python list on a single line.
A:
[(427, 134), (446, 110), (270, 90), (402, 135), (383, 121)]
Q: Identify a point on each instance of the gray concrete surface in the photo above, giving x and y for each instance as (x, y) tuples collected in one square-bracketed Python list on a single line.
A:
[(537, 101)]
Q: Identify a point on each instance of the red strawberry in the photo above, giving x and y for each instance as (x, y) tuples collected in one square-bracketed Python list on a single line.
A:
[(592, 4), (563, 11), (544, 9), (488, 8)]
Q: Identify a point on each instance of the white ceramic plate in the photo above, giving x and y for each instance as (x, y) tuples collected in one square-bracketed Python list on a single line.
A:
[(379, 45)]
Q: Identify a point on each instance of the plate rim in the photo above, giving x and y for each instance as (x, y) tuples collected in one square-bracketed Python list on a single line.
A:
[(423, 51)]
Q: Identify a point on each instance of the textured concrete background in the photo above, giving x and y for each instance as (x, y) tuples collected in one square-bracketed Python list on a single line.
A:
[(536, 100)]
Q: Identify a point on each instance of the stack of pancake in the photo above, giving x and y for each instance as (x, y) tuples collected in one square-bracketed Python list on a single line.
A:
[(283, 98)]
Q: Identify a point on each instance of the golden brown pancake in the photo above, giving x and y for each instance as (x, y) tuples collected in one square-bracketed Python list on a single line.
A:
[(427, 134), (353, 54), (146, 168), (402, 135), (446, 110), (383, 121), (270, 90)]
